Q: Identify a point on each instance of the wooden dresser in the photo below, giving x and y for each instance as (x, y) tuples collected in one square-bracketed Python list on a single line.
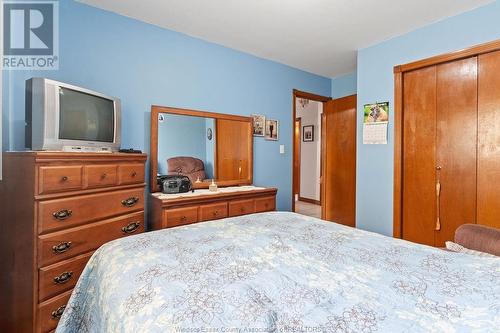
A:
[(56, 210), (167, 213)]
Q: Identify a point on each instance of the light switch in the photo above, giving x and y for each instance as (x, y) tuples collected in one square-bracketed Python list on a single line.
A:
[(282, 149)]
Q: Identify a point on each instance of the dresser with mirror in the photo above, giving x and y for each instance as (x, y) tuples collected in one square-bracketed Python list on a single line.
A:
[(207, 148)]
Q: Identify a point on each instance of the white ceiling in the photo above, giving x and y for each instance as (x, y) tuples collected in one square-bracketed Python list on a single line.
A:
[(318, 36)]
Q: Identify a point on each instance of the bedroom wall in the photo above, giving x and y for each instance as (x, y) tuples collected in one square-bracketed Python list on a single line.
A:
[(375, 83), (144, 64), (344, 85)]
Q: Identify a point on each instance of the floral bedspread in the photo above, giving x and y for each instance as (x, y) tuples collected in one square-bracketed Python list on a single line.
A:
[(281, 272)]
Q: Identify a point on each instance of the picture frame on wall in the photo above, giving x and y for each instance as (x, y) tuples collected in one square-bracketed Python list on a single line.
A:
[(272, 130), (308, 133), (259, 124)]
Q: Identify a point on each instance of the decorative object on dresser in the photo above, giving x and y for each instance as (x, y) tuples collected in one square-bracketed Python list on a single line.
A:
[(57, 208), (174, 210), (230, 154)]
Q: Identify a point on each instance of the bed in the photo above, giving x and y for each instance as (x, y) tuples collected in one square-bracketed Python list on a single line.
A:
[(281, 272)]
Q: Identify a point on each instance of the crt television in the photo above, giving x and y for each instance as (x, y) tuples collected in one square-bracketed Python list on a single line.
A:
[(64, 117)]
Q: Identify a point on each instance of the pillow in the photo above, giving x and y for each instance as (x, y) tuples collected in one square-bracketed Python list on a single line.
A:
[(454, 247)]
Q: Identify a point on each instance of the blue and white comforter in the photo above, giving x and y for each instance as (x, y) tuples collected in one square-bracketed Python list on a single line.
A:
[(281, 272)]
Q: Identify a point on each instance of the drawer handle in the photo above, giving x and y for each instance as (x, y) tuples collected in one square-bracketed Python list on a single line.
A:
[(130, 201), (104, 175), (63, 214), (63, 278), (131, 227), (183, 218), (133, 174), (64, 178), (56, 314), (61, 247), (216, 213)]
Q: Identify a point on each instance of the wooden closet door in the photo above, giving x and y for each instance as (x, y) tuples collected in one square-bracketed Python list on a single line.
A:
[(456, 142), (488, 163), (419, 163)]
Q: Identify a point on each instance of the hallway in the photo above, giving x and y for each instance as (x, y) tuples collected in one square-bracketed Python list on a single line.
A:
[(308, 209)]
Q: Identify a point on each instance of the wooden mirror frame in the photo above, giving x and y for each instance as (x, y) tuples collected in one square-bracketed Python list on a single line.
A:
[(153, 162)]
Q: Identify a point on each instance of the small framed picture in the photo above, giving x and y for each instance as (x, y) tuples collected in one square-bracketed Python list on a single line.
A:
[(308, 133), (272, 130), (259, 124)]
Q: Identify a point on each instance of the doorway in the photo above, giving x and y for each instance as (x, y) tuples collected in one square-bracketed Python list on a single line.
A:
[(307, 153), (324, 157)]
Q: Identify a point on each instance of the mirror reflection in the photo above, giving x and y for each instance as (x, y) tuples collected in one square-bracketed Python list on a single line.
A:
[(186, 146)]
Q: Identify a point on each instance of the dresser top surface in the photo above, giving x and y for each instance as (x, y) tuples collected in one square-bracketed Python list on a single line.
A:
[(222, 193)]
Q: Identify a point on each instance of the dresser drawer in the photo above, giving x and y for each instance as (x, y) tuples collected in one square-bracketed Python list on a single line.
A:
[(50, 312), (59, 178), (100, 175), (132, 173), (64, 244), (64, 213), (265, 204), (62, 276), (179, 216), (241, 207), (213, 211)]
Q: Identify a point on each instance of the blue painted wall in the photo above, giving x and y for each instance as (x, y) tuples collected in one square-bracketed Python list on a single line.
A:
[(344, 85), (180, 136), (144, 65), (376, 84)]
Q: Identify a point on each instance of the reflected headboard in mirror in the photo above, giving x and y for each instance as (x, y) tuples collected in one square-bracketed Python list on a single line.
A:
[(202, 146)]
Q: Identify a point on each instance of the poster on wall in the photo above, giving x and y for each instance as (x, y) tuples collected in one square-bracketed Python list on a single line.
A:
[(376, 122)]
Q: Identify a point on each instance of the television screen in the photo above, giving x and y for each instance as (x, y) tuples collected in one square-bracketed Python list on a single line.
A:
[(85, 117)]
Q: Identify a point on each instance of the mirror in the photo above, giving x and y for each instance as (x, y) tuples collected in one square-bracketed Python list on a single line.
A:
[(202, 146), (186, 145)]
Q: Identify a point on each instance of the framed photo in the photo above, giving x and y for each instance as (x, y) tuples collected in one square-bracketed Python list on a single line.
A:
[(259, 124), (272, 129), (308, 133)]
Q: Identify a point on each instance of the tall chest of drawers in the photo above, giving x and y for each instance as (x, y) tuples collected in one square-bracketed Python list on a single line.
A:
[(56, 209)]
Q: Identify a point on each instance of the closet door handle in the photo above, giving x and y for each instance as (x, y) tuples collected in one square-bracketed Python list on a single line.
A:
[(438, 213)]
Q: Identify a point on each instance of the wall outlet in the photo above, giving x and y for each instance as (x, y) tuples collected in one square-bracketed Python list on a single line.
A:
[(282, 149)]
